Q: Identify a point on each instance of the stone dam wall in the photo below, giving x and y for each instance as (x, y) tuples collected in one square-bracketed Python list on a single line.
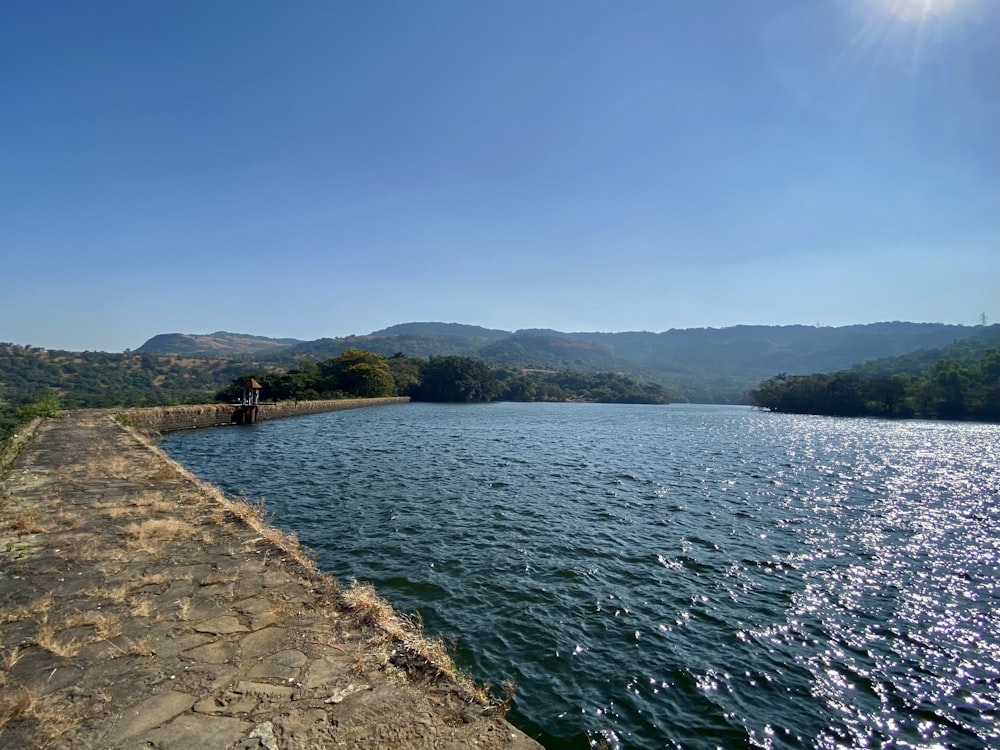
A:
[(175, 418)]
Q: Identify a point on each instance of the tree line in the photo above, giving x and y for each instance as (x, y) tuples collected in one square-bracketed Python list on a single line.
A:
[(103, 379), (358, 373), (957, 389)]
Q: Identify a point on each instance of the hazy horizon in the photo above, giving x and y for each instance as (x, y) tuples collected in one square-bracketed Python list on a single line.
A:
[(504, 330)]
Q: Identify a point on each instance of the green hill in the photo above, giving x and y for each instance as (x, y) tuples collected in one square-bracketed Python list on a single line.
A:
[(218, 344), (708, 365)]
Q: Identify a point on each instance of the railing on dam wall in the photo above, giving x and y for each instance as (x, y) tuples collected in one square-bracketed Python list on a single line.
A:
[(174, 418)]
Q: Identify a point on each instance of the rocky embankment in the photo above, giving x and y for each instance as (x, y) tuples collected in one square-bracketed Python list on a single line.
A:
[(141, 608)]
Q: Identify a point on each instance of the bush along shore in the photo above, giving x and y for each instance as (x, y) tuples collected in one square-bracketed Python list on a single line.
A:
[(142, 607), (950, 389)]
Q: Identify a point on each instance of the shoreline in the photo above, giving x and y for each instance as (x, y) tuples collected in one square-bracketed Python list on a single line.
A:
[(139, 604)]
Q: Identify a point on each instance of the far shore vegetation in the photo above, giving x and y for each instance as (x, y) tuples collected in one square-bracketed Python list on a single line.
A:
[(960, 381), (357, 373), (957, 389), (38, 382)]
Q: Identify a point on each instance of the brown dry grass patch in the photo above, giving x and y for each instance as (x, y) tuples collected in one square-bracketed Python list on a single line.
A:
[(48, 638), (48, 713), (148, 498), (106, 625), (163, 506), (150, 536), (8, 658), (141, 647), (219, 576), (252, 515), (406, 633), (14, 704), (143, 607), (116, 594), (67, 520), (154, 579), (111, 560), (24, 520), (115, 510), (40, 606), (107, 466)]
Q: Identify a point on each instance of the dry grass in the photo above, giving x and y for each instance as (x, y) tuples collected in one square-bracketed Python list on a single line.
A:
[(252, 515), (67, 520), (360, 664), (141, 647), (115, 510), (148, 498), (248, 513), (163, 506), (150, 536), (143, 607), (48, 638), (23, 520), (47, 712), (182, 613), (40, 606), (155, 579), (407, 634), (112, 560), (165, 472), (108, 466), (371, 609), (14, 704), (190, 499), (106, 625), (8, 658), (116, 594), (219, 576)]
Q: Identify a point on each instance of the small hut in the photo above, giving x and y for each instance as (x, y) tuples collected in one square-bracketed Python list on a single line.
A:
[(251, 393), (246, 411)]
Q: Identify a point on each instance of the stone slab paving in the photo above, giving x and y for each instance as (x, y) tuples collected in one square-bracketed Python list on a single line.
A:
[(136, 611)]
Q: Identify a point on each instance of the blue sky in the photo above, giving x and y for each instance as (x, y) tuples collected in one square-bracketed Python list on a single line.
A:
[(308, 169)]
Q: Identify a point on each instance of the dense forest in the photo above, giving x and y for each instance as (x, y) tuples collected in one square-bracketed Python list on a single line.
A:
[(358, 373), (962, 388)]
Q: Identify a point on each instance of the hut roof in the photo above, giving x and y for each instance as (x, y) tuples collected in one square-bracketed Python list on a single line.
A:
[(252, 383)]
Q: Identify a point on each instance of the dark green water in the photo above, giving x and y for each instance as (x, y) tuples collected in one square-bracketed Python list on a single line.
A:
[(681, 576)]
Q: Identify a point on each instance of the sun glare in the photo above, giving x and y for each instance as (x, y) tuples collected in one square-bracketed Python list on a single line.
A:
[(909, 31), (916, 11)]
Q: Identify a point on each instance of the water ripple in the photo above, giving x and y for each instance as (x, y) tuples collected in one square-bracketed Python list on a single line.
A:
[(681, 577)]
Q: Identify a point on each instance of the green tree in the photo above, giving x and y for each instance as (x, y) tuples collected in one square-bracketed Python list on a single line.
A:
[(944, 390), (405, 373), (45, 405), (358, 373), (456, 379)]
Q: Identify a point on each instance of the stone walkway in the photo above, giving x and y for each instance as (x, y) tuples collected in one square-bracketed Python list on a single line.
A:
[(141, 609)]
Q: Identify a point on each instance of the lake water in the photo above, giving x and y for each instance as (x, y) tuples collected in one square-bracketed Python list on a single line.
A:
[(664, 576)]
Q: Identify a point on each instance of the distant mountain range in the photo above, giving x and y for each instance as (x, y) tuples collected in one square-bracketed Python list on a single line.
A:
[(707, 365), (218, 344)]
